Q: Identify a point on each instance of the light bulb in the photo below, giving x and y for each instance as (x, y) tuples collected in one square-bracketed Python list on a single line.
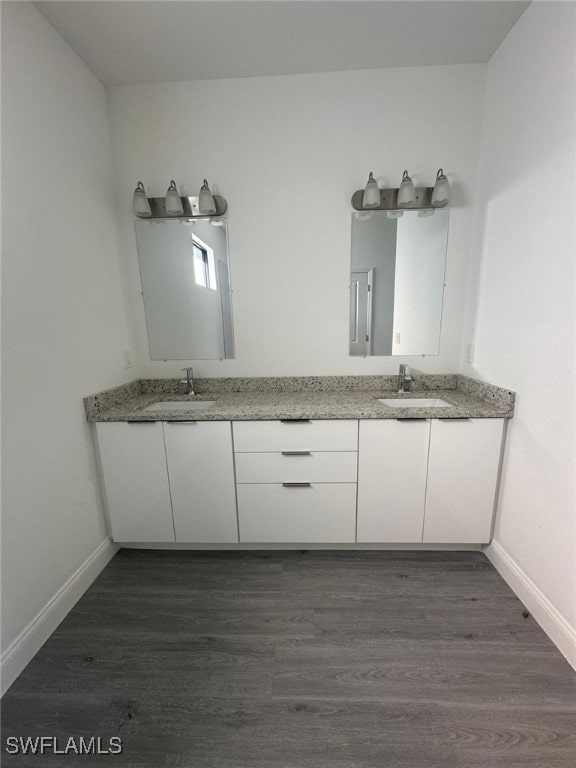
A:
[(173, 201), (441, 192), (206, 203), (371, 197), (140, 203), (406, 193)]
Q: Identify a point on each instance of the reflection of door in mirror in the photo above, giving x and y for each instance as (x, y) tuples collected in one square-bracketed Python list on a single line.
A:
[(406, 258), (361, 312), (186, 288)]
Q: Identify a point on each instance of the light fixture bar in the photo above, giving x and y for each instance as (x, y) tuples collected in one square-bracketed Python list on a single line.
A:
[(389, 200), (190, 207)]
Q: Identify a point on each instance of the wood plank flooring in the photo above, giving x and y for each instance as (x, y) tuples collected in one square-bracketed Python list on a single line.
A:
[(310, 659)]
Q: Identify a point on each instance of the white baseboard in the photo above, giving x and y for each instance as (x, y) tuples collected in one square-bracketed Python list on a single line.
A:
[(562, 634), (31, 639), (308, 547)]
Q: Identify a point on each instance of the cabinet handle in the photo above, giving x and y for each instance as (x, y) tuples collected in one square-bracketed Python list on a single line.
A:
[(463, 418), (297, 485), (181, 422), (142, 421), (296, 453), (407, 418), (295, 421)]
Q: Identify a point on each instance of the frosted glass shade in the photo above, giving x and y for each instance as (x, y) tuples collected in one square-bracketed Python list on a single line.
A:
[(206, 204), (140, 204), (371, 197), (406, 193), (441, 192), (173, 202)]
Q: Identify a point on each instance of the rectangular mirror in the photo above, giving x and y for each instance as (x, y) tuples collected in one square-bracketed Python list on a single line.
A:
[(185, 274), (397, 282)]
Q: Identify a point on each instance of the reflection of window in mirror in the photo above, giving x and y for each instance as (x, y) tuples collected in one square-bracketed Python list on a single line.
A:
[(397, 282), (204, 269)]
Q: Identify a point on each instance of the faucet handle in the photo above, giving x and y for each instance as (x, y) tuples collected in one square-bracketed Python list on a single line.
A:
[(189, 371)]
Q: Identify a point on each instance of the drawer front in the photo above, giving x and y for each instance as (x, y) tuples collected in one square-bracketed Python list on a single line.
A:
[(297, 466), (256, 436), (321, 513)]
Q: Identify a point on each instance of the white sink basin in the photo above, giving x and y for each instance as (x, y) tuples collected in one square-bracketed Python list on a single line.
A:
[(180, 405), (415, 402)]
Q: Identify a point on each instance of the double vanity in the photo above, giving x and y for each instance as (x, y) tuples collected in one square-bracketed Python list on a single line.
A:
[(303, 461)]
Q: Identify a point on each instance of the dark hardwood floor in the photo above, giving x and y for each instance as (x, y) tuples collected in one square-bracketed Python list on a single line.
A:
[(309, 659)]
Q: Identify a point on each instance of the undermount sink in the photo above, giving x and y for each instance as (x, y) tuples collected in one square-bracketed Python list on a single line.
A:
[(414, 402), (180, 405)]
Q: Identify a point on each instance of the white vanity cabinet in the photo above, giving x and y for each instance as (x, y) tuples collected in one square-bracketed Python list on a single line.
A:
[(167, 482), (463, 469), (201, 475), (373, 481), (432, 481), (296, 481), (135, 480), (392, 467)]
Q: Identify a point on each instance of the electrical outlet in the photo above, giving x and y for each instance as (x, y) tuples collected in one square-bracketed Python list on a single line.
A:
[(126, 354), (470, 353)]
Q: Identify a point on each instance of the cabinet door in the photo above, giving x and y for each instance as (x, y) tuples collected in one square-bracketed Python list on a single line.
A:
[(201, 471), (462, 478), (392, 458), (135, 481)]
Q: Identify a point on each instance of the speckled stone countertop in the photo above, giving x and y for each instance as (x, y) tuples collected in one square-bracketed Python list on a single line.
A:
[(330, 397)]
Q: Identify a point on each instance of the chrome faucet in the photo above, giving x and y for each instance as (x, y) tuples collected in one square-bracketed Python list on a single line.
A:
[(404, 378), (189, 381)]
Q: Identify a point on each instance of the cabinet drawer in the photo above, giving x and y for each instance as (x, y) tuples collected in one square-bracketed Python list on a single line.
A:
[(321, 513), (294, 467), (256, 436)]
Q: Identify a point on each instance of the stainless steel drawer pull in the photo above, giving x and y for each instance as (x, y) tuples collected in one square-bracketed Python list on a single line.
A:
[(296, 453), (295, 421), (408, 419), (142, 421), (297, 485), (463, 418), (181, 422)]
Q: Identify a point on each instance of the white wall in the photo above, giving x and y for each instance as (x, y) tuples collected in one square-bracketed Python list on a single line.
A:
[(64, 325), (523, 321), (301, 145)]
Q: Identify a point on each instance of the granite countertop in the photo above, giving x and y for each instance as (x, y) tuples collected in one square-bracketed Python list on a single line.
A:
[(353, 399)]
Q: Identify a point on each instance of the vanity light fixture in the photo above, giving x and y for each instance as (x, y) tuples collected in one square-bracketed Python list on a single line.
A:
[(406, 193), (140, 204), (206, 204), (174, 205), (407, 196), (441, 193), (371, 198), (173, 202)]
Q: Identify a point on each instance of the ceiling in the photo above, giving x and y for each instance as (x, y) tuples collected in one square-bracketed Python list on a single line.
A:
[(147, 41)]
